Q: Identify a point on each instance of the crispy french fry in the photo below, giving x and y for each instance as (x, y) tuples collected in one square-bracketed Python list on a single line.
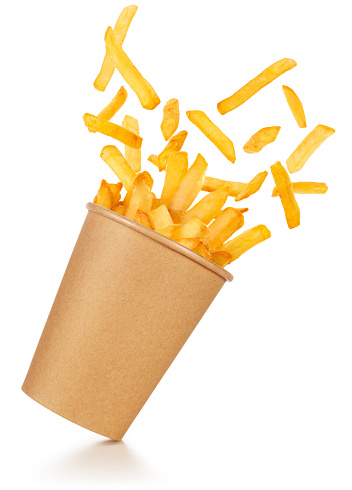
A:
[(262, 80), (169, 230), (212, 184), (296, 106), (116, 193), (144, 177), (144, 91), (175, 144), (160, 218), (142, 218), (132, 155), (120, 209), (248, 239), (307, 147), (261, 138), (120, 30), (110, 110), (110, 129), (226, 223), (288, 200), (208, 207), (221, 258), (116, 161), (194, 228), (188, 188), (305, 188), (176, 169), (104, 197), (171, 117), (189, 242), (141, 199), (211, 131), (203, 251), (252, 187)]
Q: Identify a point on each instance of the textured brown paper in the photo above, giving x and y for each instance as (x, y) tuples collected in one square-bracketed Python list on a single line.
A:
[(127, 303)]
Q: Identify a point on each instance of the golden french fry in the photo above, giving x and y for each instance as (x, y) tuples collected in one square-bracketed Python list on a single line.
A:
[(142, 218), (194, 228), (248, 239), (141, 199), (208, 207), (116, 193), (211, 131), (221, 258), (144, 91), (144, 177), (226, 223), (176, 169), (295, 105), (132, 155), (262, 80), (120, 209), (305, 188), (110, 129), (117, 102), (153, 159), (212, 184), (104, 196), (120, 30), (188, 188), (169, 230), (189, 242), (158, 202), (307, 147), (252, 187), (175, 144), (171, 117), (160, 218), (203, 251), (261, 138), (116, 161), (288, 200)]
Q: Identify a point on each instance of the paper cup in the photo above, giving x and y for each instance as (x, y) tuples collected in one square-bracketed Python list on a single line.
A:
[(127, 303)]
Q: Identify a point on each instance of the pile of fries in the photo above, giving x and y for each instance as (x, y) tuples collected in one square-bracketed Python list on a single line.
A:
[(206, 227)]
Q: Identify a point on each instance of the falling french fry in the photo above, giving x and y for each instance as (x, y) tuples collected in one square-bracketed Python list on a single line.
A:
[(288, 200), (171, 118), (244, 242), (252, 187), (296, 106), (261, 138), (305, 188)]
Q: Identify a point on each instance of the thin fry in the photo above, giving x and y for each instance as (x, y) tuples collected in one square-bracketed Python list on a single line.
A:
[(116, 161), (288, 200), (110, 129), (160, 218), (296, 106), (261, 138), (227, 222), (144, 91), (208, 207), (307, 147), (248, 239), (262, 80), (176, 169), (252, 187), (171, 118), (132, 155), (221, 258), (175, 144), (116, 193), (190, 243), (104, 197), (120, 30), (194, 228), (212, 184), (305, 188), (211, 131)]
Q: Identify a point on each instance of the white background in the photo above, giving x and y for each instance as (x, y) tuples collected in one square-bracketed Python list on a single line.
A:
[(260, 396)]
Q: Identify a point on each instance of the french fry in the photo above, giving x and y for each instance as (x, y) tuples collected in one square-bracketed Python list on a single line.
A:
[(203, 251), (160, 218), (188, 188), (120, 30), (262, 80), (141, 199), (104, 197), (208, 207), (221, 258), (194, 228), (175, 144), (211, 131), (296, 106), (142, 218), (110, 110), (190, 243), (144, 177), (307, 147), (176, 169), (248, 239), (144, 91), (261, 138), (132, 155), (110, 129), (116, 161), (169, 230), (157, 202), (305, 188), (226, 223), (116, 193), (288, 200), (171, 117), (120, 209), (154, 160), (252, 187), (212, 184)]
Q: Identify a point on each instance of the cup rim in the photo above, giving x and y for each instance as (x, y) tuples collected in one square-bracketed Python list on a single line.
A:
[(167, 242)]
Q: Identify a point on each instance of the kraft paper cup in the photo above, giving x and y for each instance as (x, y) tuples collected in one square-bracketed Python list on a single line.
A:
[(128, 301)]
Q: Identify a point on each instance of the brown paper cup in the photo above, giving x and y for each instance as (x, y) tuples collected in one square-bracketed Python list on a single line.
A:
[(127, 303)]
